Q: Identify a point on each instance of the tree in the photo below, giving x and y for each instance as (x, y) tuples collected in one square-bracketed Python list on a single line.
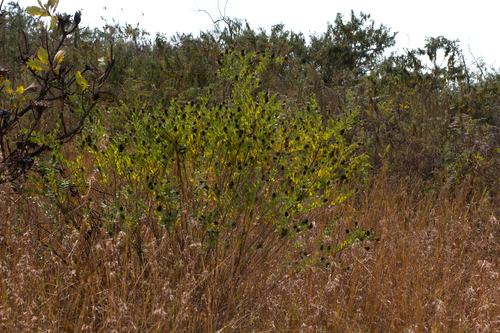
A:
[(54, 108), (351, 46)]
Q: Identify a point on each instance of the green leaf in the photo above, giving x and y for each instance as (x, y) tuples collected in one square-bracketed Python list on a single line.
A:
[(37, 65), (81, 81), (34, 10), (43, 55), (53, 22)]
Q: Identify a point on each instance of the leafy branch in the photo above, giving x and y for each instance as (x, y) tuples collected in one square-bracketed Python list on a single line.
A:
[(60, 99)]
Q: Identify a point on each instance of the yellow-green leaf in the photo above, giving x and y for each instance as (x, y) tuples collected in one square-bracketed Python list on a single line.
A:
[(8, 87), (53, 22), (43, 55), (81, 81), (36, 64), (34, 10)]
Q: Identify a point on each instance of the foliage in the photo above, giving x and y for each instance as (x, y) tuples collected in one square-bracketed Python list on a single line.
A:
[(349, 47), (248, 161), (60, 99), (238, 180), (422, 122)]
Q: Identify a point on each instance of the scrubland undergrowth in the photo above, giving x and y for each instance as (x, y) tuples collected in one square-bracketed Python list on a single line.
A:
[(434, 269), (240, 182)]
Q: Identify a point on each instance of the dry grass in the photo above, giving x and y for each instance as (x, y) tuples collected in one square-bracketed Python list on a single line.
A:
[(436, 269)]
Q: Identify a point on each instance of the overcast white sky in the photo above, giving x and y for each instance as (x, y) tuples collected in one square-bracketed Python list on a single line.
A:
[(475, 23)]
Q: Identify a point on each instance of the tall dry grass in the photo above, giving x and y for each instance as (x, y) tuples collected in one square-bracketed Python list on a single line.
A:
[(435, 269)]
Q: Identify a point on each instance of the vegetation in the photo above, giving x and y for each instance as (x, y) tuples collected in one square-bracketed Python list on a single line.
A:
[(244, 181)]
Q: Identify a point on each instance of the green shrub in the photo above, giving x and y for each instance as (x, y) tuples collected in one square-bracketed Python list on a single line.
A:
[(247, 162)]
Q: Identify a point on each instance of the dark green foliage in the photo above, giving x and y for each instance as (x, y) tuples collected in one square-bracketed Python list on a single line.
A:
[(352, 46)]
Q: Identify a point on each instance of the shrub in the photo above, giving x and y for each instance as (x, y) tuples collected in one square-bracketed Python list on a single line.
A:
[(54, 108)]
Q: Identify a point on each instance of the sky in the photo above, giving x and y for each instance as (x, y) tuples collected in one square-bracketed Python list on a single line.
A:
[(474, 23)]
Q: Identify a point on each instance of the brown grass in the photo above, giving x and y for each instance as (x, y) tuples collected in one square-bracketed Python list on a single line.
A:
[(436, 269)]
